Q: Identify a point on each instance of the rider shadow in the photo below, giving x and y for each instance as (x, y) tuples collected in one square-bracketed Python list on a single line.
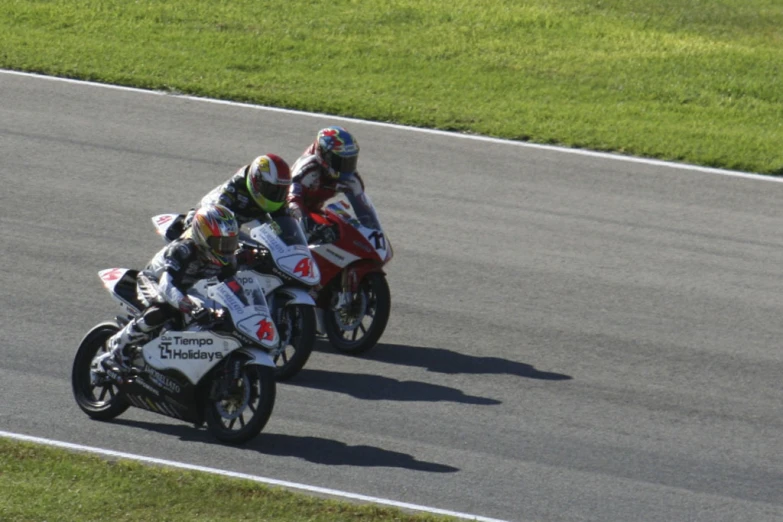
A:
[(440, 360), (316, 450), (330, 452), (379, 388)]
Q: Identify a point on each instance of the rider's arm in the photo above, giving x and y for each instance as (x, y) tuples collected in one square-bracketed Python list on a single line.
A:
[(351, 183), (305, 177), (174, 296), (177, 257)]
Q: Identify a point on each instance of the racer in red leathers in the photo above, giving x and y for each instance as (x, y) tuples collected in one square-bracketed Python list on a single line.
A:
[(327, 166)]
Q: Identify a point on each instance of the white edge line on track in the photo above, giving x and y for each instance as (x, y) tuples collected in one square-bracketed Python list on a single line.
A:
[(244, 476), (582, 152)]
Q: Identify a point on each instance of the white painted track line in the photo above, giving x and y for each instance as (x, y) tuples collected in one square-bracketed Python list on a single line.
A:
[(582, 152), (254, 478)]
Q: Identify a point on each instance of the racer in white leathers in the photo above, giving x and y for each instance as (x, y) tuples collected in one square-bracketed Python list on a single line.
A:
[(206, 250)]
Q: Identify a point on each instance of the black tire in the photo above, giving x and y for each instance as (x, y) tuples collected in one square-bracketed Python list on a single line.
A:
[(295, 354), (248, 406), (374, 305), (101, 402)]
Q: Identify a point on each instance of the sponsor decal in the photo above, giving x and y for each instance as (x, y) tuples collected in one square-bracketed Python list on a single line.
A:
[(168, 349), (147, 387), (161, 380), (280, 274), (234, 286), (112, 275), (380, 240), (266, 331), (270, 237), (164, 219), (230, 300), (362, 246), (335, 254), (303, 267)]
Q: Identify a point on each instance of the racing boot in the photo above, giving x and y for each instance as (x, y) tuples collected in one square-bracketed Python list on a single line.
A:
[(136, 331)]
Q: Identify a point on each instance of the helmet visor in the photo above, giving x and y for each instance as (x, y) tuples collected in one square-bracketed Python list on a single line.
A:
[(223, 245), (344, 164), (268, 196), (274, 193)]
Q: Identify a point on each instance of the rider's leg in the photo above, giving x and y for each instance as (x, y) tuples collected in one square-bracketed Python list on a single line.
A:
[(139, 330)]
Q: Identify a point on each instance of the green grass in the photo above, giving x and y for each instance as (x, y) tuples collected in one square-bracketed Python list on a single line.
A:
[(689, 80), (41, 483)]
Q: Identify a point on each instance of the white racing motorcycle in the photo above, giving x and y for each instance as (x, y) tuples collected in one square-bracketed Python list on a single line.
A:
[(218, 373), (287, 273)]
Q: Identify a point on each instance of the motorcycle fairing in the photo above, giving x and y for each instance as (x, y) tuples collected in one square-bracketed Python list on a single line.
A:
[(192, 353), (121, 284), (254, 320), (164, 392), (292, 257), (334, 254), (300, 266), (162, 222), (257, 356), (297, 296), (356, 212)]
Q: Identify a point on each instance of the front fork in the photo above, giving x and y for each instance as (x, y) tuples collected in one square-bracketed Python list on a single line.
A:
[(349, 287)]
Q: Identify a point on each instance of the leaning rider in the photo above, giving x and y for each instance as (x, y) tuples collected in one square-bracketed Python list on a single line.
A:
[(207, 249), (256, 191), (326, 167)]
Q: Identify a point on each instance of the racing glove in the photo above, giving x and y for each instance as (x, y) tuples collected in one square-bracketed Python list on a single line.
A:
[(203, 315)]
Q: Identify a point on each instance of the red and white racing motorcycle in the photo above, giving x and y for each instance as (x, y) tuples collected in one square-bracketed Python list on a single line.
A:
[(218, 373), (286, 274), (354, 301)]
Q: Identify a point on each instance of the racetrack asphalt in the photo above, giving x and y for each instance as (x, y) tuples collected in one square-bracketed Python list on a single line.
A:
[(572, 338)]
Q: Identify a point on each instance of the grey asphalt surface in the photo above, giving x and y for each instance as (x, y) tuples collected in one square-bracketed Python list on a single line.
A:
[(572, 338)]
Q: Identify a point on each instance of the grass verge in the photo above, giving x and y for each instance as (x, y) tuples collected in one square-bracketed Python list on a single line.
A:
[(41, 483), (688, 80)]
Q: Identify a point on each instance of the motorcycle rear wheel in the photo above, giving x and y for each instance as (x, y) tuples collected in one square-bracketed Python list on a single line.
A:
[(242, 412), (296, 352), (358, 329), (102, 401)]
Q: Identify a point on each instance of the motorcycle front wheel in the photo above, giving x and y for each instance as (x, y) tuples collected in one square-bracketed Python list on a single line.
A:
[(358, 327), (238, 409), (297, 332), (101, 401)]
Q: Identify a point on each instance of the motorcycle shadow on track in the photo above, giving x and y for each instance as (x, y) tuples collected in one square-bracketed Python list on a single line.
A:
[(379, 388), (312, 449), (440, 360)]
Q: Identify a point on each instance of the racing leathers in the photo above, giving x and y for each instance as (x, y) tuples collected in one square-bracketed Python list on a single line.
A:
[(311, 186), (162, 288), (234, 195)]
